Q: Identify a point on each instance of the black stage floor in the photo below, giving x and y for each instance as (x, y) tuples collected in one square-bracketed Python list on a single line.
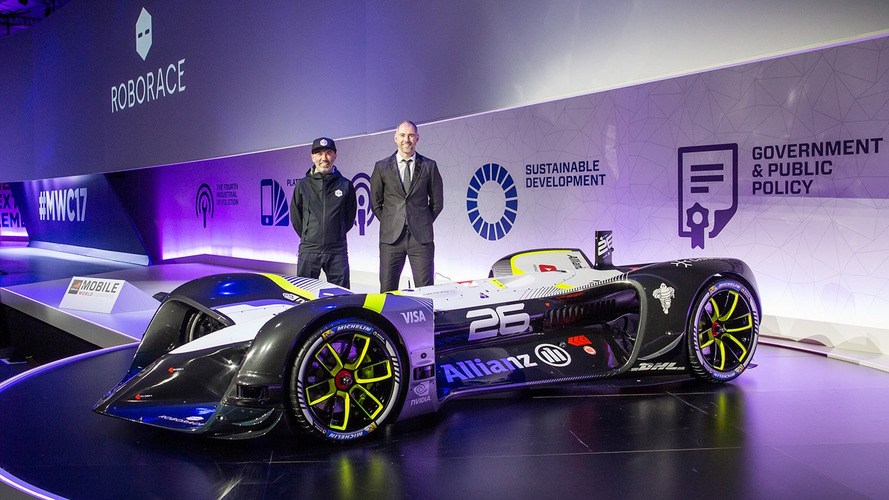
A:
[(798, 425)]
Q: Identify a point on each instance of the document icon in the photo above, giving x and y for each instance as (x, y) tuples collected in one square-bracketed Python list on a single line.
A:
[(708, 190)]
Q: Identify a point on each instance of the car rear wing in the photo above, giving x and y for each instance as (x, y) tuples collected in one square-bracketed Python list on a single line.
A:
[(555, 259)]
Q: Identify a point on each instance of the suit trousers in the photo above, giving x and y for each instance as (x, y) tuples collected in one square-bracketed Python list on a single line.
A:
[(392, 257)]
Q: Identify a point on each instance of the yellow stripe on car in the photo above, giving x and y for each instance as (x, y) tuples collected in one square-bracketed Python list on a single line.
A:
[(290, 287)]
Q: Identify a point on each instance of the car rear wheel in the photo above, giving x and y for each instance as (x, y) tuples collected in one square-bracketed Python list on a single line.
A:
[(346, 381), (723, 331)]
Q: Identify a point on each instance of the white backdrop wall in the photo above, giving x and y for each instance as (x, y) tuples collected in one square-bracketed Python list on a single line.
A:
[(781, 163), (257, 84), (253, 77)]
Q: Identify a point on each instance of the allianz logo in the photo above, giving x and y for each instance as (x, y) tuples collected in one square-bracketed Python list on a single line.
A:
[(476, 368)]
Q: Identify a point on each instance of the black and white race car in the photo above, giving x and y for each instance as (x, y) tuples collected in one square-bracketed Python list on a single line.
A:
[(230, 355)]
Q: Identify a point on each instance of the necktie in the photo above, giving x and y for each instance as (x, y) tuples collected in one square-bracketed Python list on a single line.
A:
[(406, 178)]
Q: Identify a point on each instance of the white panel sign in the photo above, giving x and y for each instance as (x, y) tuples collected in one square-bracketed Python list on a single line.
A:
[(92, 294)]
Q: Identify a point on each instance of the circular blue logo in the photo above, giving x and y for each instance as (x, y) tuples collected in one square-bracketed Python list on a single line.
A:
[(492, 202)]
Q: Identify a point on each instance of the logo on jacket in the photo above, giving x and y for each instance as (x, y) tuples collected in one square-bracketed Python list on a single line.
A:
[(492, 202)]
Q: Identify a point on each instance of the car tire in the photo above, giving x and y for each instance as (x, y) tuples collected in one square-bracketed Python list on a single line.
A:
[(723, 331), (345, 381)]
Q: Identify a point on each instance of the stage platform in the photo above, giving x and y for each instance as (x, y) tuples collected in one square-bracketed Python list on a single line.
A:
[(34, 281), (797, 425)]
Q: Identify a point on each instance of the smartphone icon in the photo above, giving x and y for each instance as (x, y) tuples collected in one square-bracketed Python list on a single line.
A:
[(265, 199)]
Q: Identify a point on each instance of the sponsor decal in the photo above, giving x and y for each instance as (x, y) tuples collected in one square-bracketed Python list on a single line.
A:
[(179, 420), (292, 297), (470, 369), (708, 190), (413, 316), (686, 263), (503, 320), (579, 340), (654, 367), (552, 355), (664, 294), (421, 391), (476, 368), (604, 248), (153, 85), (274, 207), (589, 350), (349, 435), (576, 261), (562, 174), (492, 202)]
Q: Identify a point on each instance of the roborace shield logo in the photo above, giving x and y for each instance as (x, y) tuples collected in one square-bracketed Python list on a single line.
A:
[(152, 85), (143, 34)]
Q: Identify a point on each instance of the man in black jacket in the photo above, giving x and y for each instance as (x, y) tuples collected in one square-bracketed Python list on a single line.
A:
[(322, 211)]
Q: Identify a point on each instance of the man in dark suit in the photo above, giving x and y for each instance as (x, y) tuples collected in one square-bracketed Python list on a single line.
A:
[(407, 195)]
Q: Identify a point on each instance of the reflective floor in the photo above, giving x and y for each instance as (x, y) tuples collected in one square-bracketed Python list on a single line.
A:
[(20, 264), (798, 425)]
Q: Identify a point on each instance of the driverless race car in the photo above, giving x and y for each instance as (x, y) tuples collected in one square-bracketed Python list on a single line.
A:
[(230, 355)]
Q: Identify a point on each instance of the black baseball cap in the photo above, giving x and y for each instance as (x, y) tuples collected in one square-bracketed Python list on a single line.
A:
[(323, 143)]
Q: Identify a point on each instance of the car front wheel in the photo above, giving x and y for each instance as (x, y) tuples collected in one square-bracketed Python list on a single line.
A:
[(723, 331), (346, 380)]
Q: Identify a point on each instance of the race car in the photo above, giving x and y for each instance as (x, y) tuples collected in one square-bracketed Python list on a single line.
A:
[(230, 355)]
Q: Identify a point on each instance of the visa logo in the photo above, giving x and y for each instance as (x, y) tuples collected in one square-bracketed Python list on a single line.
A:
[(413, 316)]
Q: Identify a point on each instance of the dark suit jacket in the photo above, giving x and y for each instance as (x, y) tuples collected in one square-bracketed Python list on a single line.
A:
[(392, 206)]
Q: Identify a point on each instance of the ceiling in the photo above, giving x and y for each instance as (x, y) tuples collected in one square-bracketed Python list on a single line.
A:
[(18, 15)]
